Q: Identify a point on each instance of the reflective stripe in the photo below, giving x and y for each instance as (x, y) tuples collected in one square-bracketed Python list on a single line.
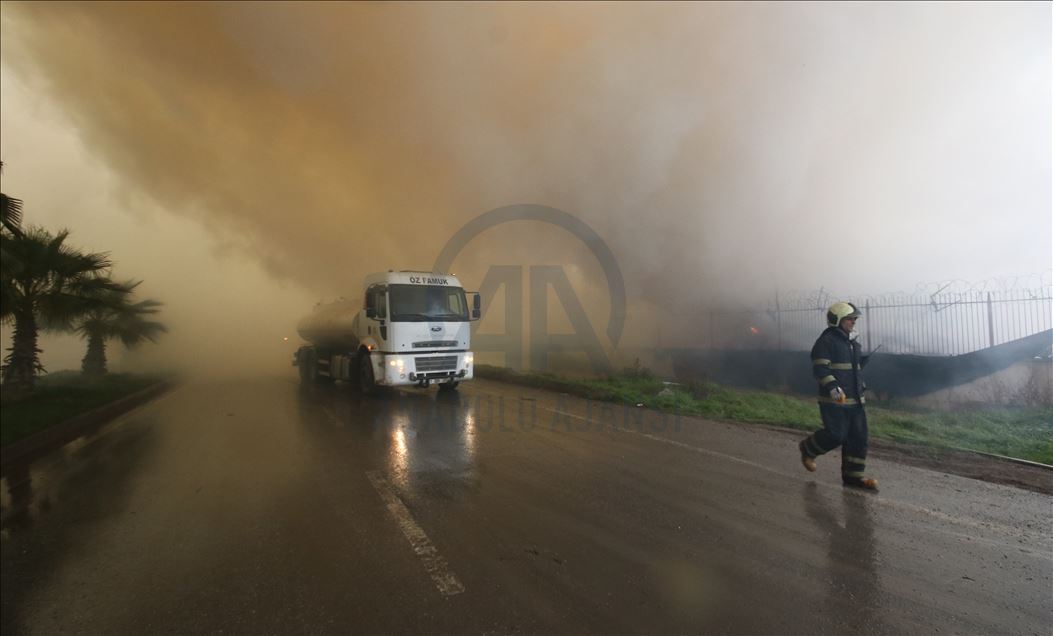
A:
[(855, 460), (854, 473), (827, 380), (820, 361), (841, 366), (847, 402)]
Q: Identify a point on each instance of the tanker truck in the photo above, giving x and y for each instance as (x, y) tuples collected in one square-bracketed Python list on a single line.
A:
[(409, 328)]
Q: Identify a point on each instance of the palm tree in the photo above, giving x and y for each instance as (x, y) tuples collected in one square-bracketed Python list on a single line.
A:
[(11, 209), (10, 224), (48, 284), (116, 317)]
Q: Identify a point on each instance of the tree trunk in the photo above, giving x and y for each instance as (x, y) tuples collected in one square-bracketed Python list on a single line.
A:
[(94, 362), (22, 362)]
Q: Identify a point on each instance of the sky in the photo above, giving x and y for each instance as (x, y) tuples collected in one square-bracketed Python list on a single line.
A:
[(246, 160)]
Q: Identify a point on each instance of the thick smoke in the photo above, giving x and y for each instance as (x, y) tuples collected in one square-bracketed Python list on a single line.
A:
[(723, 150)]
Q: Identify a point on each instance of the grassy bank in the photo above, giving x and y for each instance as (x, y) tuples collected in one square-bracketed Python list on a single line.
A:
[(61, 396), (1026, 433)]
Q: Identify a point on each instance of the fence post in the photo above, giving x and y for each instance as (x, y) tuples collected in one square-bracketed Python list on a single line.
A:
[(866, 325), (712, 329), (778, 322), (990, 320)]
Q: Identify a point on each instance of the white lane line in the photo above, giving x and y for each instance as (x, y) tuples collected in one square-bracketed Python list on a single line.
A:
[(434, 563), (1042, 540)]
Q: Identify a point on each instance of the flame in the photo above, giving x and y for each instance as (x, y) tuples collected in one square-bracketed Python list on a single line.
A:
[(754, 330)]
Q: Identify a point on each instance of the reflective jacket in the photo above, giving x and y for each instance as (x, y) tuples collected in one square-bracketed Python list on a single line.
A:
[(837, 361)]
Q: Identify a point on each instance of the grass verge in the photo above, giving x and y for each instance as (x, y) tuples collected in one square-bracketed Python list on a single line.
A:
[(61, 396), (1025, 432)]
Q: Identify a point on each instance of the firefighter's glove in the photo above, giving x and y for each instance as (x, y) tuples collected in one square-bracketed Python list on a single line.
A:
[(837, 394), (863, 360)]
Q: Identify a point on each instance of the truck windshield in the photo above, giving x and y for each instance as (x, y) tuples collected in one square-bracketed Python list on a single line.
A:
[(419, 303)]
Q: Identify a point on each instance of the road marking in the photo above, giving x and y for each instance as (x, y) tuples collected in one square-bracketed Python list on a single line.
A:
[(1041, 540), (434, 563)]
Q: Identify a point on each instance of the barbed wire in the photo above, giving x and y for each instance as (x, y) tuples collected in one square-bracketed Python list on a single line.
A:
[(1034, 286)]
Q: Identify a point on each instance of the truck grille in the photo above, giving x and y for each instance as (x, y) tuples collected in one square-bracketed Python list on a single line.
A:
[(440, 363), (434, 343)]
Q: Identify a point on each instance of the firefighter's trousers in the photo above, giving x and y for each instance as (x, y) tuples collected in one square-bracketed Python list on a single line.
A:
[(844, 426)]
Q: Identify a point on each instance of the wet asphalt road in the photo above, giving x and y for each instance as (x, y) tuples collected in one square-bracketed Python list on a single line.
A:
[(259, 507)]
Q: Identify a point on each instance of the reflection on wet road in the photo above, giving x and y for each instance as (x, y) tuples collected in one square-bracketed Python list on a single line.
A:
[(851, 561), (259, 506)]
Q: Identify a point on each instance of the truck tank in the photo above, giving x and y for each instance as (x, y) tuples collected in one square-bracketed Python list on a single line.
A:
[(331, 325)]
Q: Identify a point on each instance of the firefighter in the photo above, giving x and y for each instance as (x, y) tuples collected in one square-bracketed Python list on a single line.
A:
[(838, 369)]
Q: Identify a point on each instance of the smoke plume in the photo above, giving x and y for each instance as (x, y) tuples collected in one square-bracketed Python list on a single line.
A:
[(723, 150)]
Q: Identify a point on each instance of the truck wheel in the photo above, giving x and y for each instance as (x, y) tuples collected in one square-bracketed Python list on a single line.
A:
[(366, 384)]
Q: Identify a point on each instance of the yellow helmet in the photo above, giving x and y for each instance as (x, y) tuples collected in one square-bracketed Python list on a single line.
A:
[(841, 310)]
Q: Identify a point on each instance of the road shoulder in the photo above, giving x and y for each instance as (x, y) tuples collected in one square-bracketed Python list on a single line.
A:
[(64, 432)]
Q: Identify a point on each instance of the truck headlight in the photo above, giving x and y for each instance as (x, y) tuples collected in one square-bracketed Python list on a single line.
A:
[(469, 358)]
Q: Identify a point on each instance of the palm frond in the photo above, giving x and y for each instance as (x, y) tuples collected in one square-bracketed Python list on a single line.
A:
[(11, 211)]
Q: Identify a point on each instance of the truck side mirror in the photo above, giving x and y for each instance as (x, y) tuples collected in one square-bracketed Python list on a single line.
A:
[(371, 312), (477, 303)]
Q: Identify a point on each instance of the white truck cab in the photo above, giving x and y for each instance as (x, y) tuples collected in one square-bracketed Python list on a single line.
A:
[(409, 328)]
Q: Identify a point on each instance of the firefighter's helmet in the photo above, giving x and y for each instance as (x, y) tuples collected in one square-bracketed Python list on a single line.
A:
[(839, 311)]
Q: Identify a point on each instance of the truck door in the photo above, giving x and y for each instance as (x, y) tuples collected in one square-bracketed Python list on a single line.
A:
[(377, 315)]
